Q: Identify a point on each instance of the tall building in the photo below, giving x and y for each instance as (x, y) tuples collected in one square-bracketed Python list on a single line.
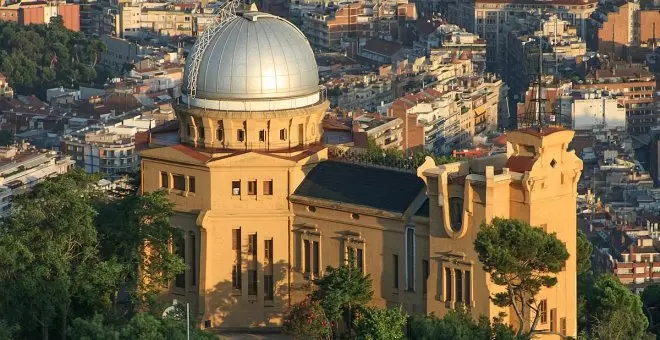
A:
[(264, 211)]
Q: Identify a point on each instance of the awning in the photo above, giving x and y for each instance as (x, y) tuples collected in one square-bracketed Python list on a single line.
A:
[(480, 110)]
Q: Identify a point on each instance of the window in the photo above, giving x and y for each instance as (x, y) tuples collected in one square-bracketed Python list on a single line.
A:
[(410, 259), (164, 180), (456, 213), (283, 134), (425, 276), (252, 187), (355, 216), (395, 271), (360, 259), (236, 188), (189, 130), (268, 270), (200, 132), (308, 256), (236, 269), (193, 251), (543, 311), (316, 253), (180, 279), (459, 285), (311, 209), (448, 284), (268, 187), (221, 134), (252, 271), (562, 326), (553, 320), (240, 135), (191, 183), (179, 182), (468, 287), (262, 135)]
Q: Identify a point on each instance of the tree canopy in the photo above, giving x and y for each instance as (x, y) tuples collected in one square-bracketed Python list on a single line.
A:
[(39, 57), (503, 247), (459, 325)]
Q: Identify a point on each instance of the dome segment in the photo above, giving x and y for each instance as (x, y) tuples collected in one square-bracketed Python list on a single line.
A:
[(256, 56)]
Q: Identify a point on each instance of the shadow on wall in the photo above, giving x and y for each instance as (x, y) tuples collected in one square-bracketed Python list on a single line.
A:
[(230, 308)]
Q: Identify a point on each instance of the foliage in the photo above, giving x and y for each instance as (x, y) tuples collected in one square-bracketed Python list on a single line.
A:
[(341, 290), (92, 329), (6, 138), (374, 154), (136, 230), (459, 325), (614, 312), (504, 250), (651, 301), (39, 57), (380, 324), (307, 320), (584, 249)]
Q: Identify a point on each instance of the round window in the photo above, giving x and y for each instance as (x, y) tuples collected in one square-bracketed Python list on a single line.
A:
[(456, 213)]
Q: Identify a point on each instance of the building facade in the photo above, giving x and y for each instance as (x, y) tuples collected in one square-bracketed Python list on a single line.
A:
[(264, 211)]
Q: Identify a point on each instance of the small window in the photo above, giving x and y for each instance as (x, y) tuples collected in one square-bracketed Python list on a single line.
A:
[(200, 132), (179, 182), (207, 324), (164, 180), (191, 183), (240, 135), (190, 130), (355, 216), (235, 188), (311, 209), (221, 134), (262, 135), (283, 134), (252, 187), (395, 271), (268, 187), (543, 311), (562, 326)]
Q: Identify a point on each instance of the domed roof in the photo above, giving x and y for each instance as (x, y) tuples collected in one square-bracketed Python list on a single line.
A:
[(256, 56)]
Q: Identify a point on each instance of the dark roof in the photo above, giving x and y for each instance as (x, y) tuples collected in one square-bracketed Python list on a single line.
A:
[(423, 211), (379, 188), (382, 47)]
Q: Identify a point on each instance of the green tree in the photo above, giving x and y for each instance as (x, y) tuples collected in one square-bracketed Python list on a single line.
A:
[(380, 323), (584, 250), (136, 231), (92, 329), (504, 250), (51, 268), (307, 320), (6, 138), (614, 312), (459, 325), (145, 326), (341, 291), (651, 301)]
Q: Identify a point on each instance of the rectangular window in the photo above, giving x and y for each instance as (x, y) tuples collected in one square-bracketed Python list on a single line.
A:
[(181, 252), (252, 244), (268, 187), (236, 269), (268, 270), (316, 253), (459, 285), (179, 182), (240, 135), (553, 320), (395, 271), (425, 276), (308, 254), (410, 259), (468, 287), (200, 132), (190, 130), (448, 284), (252, 282), (164, 180), (562, 325), (193, 251), (236, 188), (543, 311), (360, 259), (283, 134), (252, 187), (191, 183), (262, 135), (221, 134)]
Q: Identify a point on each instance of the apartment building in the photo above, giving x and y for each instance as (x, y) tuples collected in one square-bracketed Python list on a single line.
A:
[(106, 151), (455, 40), (22, 167), (628, 29), (365, 91), (633, 86), (588, 109), (490, 19), (41, 12), (385, 132)]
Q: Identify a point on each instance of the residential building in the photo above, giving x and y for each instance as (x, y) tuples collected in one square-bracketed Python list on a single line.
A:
[(264, 211), (629, 30), (22, 167), (5, 89), (381, 51), (107, 151), (41, 12), (385, 132), (589, 109), (455, 40), (361, 91)]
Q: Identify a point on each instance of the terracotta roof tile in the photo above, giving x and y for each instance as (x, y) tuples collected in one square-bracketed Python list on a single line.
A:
[(520, 163)]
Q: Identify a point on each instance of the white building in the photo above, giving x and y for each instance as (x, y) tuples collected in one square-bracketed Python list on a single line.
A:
[(592, 109)]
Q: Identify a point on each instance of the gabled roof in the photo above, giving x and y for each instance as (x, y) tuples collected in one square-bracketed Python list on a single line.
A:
[(384, 189)]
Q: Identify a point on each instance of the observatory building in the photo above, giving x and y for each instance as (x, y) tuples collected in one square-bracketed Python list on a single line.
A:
[(264, 211)]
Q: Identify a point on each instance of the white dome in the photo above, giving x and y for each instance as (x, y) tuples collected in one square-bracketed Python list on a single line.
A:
[(255, 56)]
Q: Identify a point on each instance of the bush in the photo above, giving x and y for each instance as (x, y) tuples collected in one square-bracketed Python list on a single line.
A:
[(380, 324), (307, 320)]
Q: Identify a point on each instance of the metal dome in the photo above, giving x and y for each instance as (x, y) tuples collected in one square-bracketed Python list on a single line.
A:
[(255, 56)]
